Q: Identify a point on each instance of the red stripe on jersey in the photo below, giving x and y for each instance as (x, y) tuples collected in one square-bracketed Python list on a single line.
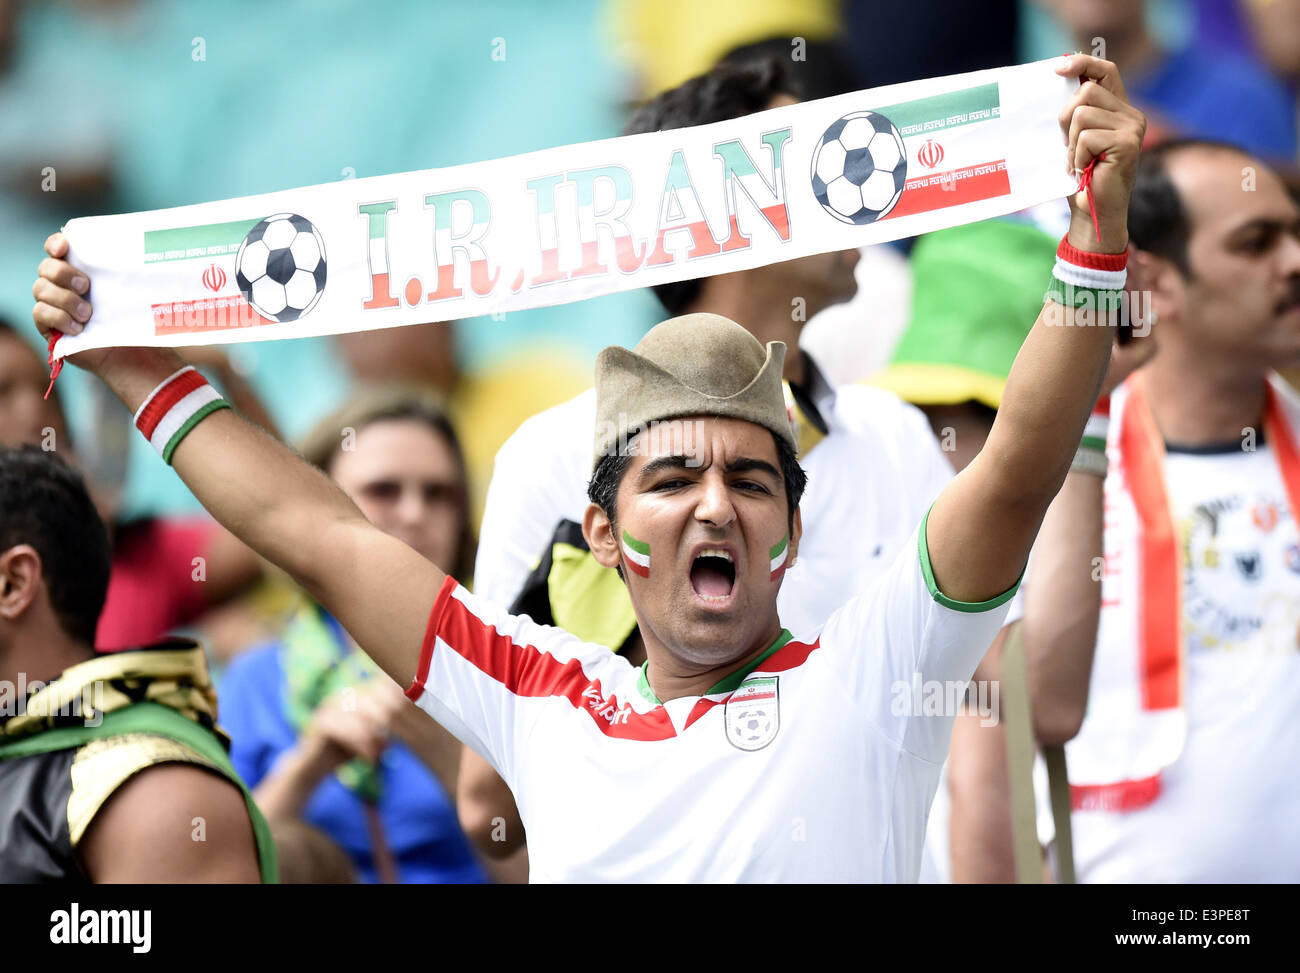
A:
[(701, 707), (526, 670), (790, 656), (416, 689)]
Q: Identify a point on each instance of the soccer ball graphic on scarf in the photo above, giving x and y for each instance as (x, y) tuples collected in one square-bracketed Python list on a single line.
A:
[(280, 267), (859, 168)]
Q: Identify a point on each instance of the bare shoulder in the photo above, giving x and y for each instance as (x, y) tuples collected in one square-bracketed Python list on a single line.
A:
[(172, 823)]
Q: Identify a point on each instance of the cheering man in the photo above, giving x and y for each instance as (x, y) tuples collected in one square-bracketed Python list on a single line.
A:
[(845, 437), (735, 752)]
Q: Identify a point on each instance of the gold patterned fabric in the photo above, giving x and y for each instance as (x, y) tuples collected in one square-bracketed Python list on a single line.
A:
[(102, 766), (175, 674), (79, 739)]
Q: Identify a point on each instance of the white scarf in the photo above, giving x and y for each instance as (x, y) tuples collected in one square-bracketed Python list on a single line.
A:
[(578, 221)]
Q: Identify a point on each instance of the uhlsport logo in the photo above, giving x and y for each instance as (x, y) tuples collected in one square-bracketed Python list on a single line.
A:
[(753, 713), (859, 168), (280, 267), (930, 154)]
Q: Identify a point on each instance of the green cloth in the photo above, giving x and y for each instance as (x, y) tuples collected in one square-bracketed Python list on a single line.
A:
[(976, 292), (158, 720), (316, 666)]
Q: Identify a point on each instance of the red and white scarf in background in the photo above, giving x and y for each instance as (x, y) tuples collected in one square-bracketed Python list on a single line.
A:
[(1137, 717)]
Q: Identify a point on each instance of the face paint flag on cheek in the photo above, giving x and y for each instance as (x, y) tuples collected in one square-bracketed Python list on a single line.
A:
[(777, 556), (637, 554)]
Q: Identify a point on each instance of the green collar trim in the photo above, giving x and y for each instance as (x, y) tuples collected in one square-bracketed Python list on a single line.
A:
[(725, 685), (961, 606)]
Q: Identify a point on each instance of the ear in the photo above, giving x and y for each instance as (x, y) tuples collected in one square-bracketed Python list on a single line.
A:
[(1162, 280), (20, 580), (598, 530)]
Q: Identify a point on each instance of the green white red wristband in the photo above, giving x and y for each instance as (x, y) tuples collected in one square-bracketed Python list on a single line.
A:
[(1094, 280), (176, 406)]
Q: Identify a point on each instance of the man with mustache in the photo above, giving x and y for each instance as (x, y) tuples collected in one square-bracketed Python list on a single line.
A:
[(1182, 770), (736, 753)]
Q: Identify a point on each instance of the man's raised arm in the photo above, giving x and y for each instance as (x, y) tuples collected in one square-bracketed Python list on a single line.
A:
[(982, 526), (266, 495)]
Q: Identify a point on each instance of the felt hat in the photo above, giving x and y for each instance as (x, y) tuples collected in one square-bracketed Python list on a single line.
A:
[(693, 365)]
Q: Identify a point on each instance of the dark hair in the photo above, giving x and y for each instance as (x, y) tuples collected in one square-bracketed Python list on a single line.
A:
[(613, 466), (826, 69), (44, 503), (729, 90), (1157, 219)]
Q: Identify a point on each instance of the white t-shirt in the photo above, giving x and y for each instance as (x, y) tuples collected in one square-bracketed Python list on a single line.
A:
[(870, 481), (811, 766), (1226, 809)]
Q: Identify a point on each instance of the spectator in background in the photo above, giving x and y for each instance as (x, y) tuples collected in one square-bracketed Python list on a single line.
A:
[(100, 799), (317, 729), (166, 572), (1182, 766), (1184, 92), (826, 68)]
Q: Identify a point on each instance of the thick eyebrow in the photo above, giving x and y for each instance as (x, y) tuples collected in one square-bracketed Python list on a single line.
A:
[(747, 465), (661, 463), (1267, 224), (744, 464)]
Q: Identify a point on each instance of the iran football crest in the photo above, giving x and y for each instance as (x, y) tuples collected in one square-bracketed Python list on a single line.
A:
[(753, 713)]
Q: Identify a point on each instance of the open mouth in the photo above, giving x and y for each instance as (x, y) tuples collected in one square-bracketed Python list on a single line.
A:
[(713, 575)]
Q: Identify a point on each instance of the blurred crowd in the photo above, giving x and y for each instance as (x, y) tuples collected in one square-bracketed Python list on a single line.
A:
[(176, 103)]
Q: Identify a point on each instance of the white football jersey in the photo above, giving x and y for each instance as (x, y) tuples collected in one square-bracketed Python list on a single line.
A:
[(816, 762)]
